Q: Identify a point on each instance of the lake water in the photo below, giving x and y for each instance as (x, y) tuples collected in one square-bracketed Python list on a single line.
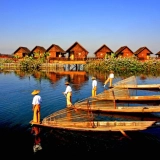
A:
[(18, 137)]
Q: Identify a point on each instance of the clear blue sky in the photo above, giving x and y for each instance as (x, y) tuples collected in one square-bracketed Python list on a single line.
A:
[(92, 23)]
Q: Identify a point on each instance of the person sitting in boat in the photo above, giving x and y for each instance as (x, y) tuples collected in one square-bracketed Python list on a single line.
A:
[(94, 86), (68, 94), (36, 105), (109, 79)]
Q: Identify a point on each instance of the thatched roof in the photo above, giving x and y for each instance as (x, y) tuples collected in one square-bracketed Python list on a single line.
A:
[(57, 47), (26, 50), (158, 53), (76, 43), (103, 46), (39, 47), (120, 50), (141, 49)]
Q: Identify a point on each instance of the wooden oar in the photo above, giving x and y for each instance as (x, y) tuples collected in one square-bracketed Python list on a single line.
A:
[(124, 134)]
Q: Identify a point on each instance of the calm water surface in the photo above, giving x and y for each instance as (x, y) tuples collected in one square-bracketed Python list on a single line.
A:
[(18, 137)]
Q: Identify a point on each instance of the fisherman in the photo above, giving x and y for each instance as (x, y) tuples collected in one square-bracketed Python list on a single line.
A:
[(68, 94), (109, 79), (36, 105), (94, 86)]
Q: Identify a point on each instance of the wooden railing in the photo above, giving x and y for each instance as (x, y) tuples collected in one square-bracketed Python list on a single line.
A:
[(75, 59)]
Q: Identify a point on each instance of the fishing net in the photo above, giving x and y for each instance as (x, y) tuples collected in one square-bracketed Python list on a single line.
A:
[(69, 114), (112, 93), (78, 118), (77, 115), (125, 83), (92, 102)]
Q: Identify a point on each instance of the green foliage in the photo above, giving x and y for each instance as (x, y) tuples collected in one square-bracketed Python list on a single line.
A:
[(129, 66), (28, 63), (6, 60)]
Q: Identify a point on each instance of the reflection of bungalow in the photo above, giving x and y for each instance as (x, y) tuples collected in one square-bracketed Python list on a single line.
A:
[(101, 76), (76, 51), (78, 80), (20, 73), (143, 53), (37, 75), (53, 77), (158, 54), (103, 52), (124, 52), (55, 51), (21, 52), (37, 51)]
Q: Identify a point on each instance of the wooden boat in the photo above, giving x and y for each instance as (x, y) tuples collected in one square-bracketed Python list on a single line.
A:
[(131, 117), (113, 107), (71, 119), (140, 86), (131, 83), (100, 125), (137, 109), (121, 94)]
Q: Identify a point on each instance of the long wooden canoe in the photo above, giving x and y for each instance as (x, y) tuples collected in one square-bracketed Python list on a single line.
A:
[(113, 107), (131, 83), (72, 119), (139, 86), (128, 98), (132, 109), (119, 94), (98, 125)]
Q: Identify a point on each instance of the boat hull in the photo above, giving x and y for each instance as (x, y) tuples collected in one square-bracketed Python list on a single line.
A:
[(99, 126), (124, 96), (140, 86), (142, 109)]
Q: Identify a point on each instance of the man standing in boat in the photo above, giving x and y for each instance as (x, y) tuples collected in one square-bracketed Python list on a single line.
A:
[(109, 79), (68, 94), (94, 86), (36, 104)]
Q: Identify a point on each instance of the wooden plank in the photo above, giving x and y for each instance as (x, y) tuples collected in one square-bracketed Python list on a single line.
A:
[(70, 72)]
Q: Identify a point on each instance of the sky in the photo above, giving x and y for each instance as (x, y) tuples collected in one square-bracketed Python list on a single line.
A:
[(91, 23)]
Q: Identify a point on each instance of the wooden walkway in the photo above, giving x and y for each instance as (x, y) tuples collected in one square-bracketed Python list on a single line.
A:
[(71, 65)]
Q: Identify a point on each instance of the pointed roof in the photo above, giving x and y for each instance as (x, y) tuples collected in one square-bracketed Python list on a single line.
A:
[(75, 45), (141, 49), (158, 53), (102, 47), (24, 48), (40, 47), (58, 47), (120, 50)]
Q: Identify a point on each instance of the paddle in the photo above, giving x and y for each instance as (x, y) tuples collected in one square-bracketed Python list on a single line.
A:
[(124, 134)]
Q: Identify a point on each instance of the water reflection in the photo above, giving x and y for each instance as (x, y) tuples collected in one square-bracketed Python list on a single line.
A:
[(35, 131), (74, 77), (16, 87)]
